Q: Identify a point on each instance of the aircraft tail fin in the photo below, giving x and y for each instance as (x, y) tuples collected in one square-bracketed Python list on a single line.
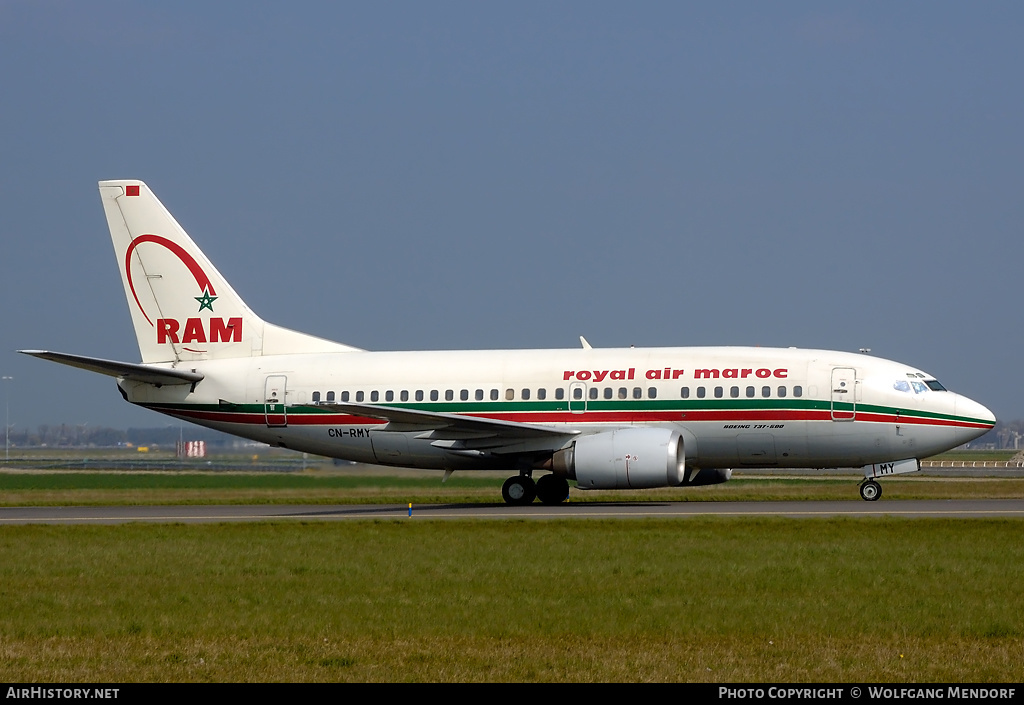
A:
[(182, 307)]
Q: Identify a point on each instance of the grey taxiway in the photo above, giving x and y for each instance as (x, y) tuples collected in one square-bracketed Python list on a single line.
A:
[(962, 509)]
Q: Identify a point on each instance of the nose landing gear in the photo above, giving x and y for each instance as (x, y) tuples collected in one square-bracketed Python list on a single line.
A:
[(870, 490)]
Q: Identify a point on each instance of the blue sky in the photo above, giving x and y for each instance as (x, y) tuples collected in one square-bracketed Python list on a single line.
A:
[(423, 175)]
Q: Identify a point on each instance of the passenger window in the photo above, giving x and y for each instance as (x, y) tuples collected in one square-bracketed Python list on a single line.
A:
[(542, 393), (330, 396), (719, 392), (464, 395), (374, 395), (405, 395), (622, 392), (389, 395), (750, 392), (782, 392), (652, 393), (359, 396), (593, 392), (526, 394), (766, 392), (479, 395), (734, 392), (684, 393), (577, 392), (494, 395), (344, 396), (798, 391), (510, 394), (433, 395), (560, 393), (638, 393), (449, 395), (419, 395), (608, 392), (316, 397), (700, 392)]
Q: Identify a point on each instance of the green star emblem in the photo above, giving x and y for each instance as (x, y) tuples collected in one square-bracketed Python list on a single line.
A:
[(206, 301)]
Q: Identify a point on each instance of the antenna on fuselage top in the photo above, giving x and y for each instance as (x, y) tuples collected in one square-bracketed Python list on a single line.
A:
[(586, 345)]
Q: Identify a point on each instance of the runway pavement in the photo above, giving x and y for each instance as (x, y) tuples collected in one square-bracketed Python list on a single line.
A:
[(191, 514)]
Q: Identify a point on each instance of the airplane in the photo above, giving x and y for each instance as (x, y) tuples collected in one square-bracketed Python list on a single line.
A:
[(603, 418)]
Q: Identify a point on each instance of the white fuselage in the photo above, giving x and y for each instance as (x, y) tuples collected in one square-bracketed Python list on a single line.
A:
[(733, 406)]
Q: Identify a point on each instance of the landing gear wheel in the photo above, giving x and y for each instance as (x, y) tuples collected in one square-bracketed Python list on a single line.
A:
[(519, 490), (870, 490), (552, 489)]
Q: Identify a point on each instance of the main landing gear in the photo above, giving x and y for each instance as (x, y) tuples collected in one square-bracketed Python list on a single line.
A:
[(870, 490), (521, 489)]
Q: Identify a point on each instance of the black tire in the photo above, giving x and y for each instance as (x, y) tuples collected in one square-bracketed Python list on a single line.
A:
[(519, 490), (552, 489), (870, 491)]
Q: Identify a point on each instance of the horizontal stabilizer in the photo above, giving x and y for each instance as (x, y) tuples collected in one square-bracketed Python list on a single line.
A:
[(126, 370)]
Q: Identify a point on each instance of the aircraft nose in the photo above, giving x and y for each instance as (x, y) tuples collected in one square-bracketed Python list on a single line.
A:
[(976, 419)]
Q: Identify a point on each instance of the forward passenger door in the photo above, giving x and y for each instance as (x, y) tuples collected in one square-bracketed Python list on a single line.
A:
[(844, 394)]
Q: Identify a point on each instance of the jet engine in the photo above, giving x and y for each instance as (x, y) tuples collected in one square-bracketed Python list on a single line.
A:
[(626, 458)]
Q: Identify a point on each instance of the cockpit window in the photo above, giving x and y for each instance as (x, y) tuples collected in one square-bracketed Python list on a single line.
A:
[(919, 383)]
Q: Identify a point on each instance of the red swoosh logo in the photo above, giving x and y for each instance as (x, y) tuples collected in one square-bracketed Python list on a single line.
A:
[(202, 280)]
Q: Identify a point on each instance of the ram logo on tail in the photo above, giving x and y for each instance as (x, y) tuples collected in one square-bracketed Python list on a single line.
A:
[(182, 307), (193, 329)]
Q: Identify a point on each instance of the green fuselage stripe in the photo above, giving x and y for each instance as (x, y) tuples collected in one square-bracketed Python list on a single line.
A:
[(639, 406)]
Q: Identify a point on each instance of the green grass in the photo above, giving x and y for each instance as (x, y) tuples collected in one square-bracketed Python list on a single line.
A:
[(978, 455), (700, 599)]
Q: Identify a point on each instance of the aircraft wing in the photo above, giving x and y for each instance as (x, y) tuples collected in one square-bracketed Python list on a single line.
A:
[(126, 370), (458, 431)]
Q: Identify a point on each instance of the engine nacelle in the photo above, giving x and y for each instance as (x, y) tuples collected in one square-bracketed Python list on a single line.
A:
[(626, 458)]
